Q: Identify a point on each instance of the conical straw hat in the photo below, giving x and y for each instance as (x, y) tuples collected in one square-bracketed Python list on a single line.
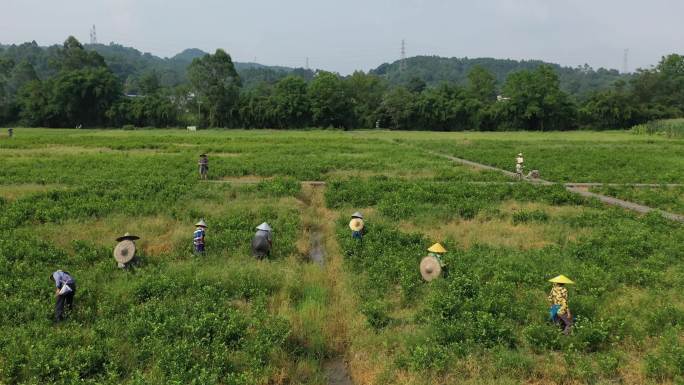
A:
[(201, 223), (357, 215), (265, 227), (430, 268), (127, 236), (124, 251), (356, 224), (437, 248), (561, 279)]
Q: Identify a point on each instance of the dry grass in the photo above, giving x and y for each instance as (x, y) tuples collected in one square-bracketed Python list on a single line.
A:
[(500, 230), (14, 191), (159, 234), (73, 150), (245, 179)]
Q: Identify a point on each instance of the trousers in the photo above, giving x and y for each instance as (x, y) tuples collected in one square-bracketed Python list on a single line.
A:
[(566, 319), (64, 302)]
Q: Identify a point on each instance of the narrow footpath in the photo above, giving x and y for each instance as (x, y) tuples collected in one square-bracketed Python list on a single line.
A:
[(577, 188)]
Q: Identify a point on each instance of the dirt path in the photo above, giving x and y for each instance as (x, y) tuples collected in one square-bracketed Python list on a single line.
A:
[(592, 184), (320, 223), (579, 188)]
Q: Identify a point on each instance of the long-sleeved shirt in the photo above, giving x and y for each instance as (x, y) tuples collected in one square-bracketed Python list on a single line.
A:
[(559, 296), (198, 236), (61, 278)]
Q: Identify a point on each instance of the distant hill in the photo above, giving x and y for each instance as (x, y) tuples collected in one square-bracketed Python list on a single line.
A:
[(434, 70), (129, 64)]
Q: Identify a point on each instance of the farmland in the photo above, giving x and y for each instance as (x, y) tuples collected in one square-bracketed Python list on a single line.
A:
[(225, 318)]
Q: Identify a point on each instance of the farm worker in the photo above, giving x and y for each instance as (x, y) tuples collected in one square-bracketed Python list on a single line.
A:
[(519, 165), (65, 289), (198, 236), (560, 311), (10, 132), (262, 242), (437, 251), (357, 226), (432, 266), (203, 166), (124, 252)]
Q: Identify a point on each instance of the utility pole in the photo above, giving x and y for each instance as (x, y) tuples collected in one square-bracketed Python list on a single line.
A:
[(307, 62), (625, 61), (93, 35), (402, 62)]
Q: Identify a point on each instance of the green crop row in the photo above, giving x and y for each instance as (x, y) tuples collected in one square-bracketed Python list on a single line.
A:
[(492, 302)]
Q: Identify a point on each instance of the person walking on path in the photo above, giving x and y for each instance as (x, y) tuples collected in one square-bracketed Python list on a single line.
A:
[(10, 132), (203, 166), (519, 165), (560, 310), (198, 237), (65, 290)]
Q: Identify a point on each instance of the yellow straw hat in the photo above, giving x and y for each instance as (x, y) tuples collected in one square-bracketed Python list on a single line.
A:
[(356, 224), (437, 248), (561, 279)]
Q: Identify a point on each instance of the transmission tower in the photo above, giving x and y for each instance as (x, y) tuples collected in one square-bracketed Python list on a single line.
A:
[(625, 62), (93, 35), (402, 63)]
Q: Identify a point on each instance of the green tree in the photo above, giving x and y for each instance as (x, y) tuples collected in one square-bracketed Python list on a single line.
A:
[(611, 109), (443, 109), (482, 84), (291, 103), (149, 83), (82, 97), (256, 107), (366, 93), (398, 109), (536, 101), (331, 105), (72, 56), (217, 85)]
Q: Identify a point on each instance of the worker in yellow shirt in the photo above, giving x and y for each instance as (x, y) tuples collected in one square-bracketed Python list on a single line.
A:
[(560, 311)]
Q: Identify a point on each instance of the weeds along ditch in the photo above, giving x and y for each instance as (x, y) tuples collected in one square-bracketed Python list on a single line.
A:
[(487, 319)]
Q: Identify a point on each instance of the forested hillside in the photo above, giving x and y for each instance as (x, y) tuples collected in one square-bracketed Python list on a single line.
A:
[(433, 70), (114, 86)]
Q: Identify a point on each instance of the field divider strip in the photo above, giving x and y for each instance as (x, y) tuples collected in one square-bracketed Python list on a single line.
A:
[(575, 188)]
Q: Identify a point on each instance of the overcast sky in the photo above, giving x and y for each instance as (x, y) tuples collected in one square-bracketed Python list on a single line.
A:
[(345, 35)]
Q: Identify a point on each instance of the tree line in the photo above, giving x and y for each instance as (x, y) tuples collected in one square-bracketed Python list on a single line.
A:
[(77, 87)]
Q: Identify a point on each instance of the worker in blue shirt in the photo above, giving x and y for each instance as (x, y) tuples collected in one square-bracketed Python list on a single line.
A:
[(198, 236), (65, 289)]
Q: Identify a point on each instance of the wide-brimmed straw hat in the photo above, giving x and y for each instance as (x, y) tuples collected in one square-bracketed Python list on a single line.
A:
[(127, 237), (264, 227), (357, 215), (430, 268), (201, 223), (124, 251), (561, 279), (356, 224), (437, 248)]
